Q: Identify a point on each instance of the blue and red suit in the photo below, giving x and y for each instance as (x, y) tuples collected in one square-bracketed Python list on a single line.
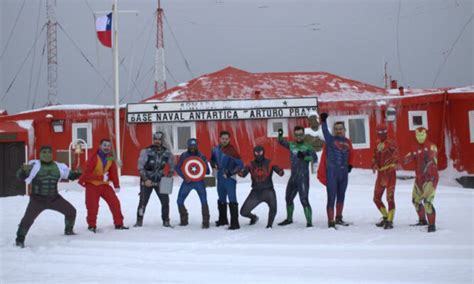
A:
[(188, 185), (333, 172)]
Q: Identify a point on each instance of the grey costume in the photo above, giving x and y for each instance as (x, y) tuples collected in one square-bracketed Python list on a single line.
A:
[(151, 164)]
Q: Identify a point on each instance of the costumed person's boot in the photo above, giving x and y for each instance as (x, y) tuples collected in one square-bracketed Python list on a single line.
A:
[(183, 216), (139, 222), (205, 216), (431, 228), (421, 222), (388, 225), (20, 237), (289, 215), (68, 230), (309, 216), (253, 219), (222, 221), (332, 224), (431, 220), (234, 216), (121, 227), (339, 221), (382, 222)]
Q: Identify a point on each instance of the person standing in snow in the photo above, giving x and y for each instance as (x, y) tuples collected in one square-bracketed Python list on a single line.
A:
[(301, 154), (227, 162), (42, 177), (188, 184), (384, 162), (261, 171), (425, 156), (101, 170), (151, 166), (334, 169)]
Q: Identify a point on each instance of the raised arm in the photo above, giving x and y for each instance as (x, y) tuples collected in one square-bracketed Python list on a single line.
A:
[(282, 140), (327, 135)]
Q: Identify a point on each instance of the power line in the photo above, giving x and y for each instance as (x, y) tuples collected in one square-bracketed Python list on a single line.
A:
[(34, 54), (22, 64), (144, 52), (84, 55), (39, 74), (451, 49), (14, 26), (171, 75), (179, 48)]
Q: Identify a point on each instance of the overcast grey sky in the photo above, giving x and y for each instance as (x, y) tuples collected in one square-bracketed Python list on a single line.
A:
[(418, 39)]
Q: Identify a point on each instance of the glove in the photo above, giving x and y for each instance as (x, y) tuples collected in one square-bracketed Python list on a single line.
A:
[(280, 134), (227, 174), (300, 155), (323, 116), (106, 177), (117, 189), (349, 168), (26, 167)]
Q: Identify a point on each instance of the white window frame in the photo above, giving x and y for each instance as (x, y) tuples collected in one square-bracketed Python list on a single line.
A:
[(270, 122), (471, 125), (345, 119), (424, 118), (87, 125), (174, 130)]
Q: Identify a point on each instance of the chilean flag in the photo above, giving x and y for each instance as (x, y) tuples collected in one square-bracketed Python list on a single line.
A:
[(103, 26)]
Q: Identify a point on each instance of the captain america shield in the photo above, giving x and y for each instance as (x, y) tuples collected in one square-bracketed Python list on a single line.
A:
[(194, 169)]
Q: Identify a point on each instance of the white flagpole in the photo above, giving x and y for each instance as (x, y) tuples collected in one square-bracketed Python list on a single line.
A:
[(115, 52)]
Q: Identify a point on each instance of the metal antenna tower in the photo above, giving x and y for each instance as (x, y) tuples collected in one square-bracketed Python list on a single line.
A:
[(160, 67), (52, 44)]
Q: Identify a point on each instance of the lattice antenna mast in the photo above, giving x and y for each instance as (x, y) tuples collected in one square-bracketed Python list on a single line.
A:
[(160, 67), (52, 44)]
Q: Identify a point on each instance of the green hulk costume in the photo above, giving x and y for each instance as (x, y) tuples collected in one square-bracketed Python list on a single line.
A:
[(43, 176)]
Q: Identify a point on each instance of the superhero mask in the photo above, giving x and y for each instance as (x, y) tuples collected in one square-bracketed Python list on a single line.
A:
[(192, 145), (421, 135), (259, 153), (299, 136), (382, 132), (46, 154)]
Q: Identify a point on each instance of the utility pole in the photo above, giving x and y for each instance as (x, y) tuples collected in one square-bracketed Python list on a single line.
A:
[(52, 44), (385, 76), (160, 67)]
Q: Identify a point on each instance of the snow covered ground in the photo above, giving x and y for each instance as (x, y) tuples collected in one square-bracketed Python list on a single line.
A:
[(360, 253)]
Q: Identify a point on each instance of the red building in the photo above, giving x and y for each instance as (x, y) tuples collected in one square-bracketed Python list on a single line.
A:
[(448, 115)]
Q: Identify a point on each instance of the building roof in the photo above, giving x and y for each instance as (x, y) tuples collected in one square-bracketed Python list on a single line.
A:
[(233, 83)]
